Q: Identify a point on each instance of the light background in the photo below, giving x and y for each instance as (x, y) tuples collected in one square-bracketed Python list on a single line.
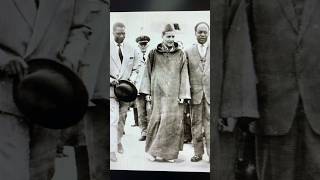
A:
[(152, 24)]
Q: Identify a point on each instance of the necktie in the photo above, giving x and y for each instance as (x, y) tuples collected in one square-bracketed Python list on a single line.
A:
[(203, 54), (120, 53), (144, 59), (299, 6), (37, 3), (203, 62)]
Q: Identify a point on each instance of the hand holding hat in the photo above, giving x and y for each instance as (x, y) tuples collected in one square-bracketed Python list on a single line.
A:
[(126, 91), (16, 67), (50, 95), (114, 82)]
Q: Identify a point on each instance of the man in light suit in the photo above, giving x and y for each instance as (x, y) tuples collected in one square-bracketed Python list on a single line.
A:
[(123, 65), (36, 29), (198, 57)]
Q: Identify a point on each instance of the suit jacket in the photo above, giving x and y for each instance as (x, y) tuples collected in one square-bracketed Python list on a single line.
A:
[(238, 81), (57, 29), (94, 67), (125, 70), (140, 73), (286, 63), (199, 76)]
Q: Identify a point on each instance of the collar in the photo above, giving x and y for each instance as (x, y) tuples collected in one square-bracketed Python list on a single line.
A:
[(171, 49), (205, 45), (116, 44)]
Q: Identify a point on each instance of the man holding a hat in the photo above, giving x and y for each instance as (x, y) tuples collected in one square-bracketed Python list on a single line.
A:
[(123, 66), (142, 101), (37, 29)]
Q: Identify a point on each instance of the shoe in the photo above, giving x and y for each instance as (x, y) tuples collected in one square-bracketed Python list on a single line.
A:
[(165, 160), (196, 158), (143, 138), (186, 141), (170, 161), (120, 148), (150, 157), (160, 159), (113, 157)]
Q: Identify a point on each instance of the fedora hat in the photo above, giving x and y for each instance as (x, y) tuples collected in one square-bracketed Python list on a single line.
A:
[(50, 95), (126, 91)]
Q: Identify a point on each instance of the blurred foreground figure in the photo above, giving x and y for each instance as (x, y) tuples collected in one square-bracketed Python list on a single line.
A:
[(275, 41), (56, 30)]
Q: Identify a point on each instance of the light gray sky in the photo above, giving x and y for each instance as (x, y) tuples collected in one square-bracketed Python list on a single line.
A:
[(152, 24)]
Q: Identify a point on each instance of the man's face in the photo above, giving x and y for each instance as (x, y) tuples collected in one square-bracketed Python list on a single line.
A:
[(143, 47), (119, 34), (168, 38), (202, 33)]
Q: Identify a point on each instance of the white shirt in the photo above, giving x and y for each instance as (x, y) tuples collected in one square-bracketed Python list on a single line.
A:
[(202, 48)]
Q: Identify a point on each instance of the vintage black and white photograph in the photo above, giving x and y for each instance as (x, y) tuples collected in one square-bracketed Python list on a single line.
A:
[(160, 91)]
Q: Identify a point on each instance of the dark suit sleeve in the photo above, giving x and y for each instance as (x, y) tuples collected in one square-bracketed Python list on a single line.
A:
[(239, 94), (5, 57), (79, 34)]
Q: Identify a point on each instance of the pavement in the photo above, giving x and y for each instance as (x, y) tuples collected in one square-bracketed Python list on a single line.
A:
[(134, 157), (66, 166)]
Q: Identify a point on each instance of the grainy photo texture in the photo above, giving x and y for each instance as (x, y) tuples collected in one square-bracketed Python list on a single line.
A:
[(160, 91), (268, 122), (53, 89)]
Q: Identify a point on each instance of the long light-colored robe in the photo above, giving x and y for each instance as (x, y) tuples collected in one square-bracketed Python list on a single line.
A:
[(166, 81)]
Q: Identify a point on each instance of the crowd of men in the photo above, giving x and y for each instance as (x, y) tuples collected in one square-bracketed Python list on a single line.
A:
[(170, 82)]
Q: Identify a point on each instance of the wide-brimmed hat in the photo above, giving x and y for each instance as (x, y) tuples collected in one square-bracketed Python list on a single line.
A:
[(50, 95), (126, 91)]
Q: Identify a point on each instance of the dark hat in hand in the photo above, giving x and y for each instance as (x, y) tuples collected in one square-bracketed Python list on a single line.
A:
[(51, 95), (126, 91)]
